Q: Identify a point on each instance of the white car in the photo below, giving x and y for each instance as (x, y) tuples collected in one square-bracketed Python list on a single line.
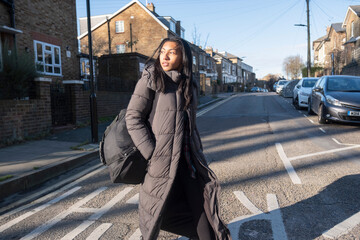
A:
[(302, 91), (280, 86)]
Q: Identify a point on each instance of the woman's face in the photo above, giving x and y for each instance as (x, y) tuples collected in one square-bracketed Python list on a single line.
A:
[(170, 56)]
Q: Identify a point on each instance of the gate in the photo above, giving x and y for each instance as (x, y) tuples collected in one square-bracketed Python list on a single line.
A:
[(61, 113)]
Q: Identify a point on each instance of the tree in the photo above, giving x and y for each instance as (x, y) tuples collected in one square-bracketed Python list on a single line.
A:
[(292, 66), (270, 79)]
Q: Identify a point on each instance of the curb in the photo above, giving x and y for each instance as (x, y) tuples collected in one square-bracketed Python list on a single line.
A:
[(27, 181)]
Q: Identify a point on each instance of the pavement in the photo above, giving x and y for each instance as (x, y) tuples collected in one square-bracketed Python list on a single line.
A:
[(32, 163)]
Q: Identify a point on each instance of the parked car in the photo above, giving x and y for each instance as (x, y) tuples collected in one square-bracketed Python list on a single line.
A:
[(255, 89), (288, 88), (302, 92), (280, 85), (274, 86), (336, 98)]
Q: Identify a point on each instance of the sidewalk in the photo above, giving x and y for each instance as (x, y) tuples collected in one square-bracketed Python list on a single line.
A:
[(32, 163)]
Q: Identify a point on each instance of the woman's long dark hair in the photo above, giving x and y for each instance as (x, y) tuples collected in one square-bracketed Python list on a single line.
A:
[(186, 84)]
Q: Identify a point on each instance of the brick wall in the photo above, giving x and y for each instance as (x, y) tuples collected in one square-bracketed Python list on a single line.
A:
[(50, 21), (24, 118), (145, 29)]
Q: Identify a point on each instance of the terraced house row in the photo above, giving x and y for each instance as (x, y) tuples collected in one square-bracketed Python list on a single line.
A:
[(338, 51), (52, 90)]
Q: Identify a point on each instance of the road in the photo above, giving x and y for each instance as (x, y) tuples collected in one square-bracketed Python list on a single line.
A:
[(283, 176)]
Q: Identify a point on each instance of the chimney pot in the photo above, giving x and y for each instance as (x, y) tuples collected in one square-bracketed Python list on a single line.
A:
[(151, 7)]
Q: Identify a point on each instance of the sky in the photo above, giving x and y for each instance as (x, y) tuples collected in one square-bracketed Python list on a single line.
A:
[(262, 32)]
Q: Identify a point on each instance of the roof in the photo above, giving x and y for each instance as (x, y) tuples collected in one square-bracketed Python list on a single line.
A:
[(351, 40), (95, 20), (320, 39), (155, 16), (354, 9), (338, 27)]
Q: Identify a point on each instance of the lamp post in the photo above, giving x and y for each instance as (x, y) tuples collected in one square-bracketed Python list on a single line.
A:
[(308, 64), (93, 105)]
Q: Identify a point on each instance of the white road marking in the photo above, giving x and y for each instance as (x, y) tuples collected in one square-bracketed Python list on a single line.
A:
[(246, 202), (71, 235), (343, 227), (91, 171), (202, 112), (274, 216), (99, 231), (324, 152), (322, 130), (136, 235), (348, 144), (134, 199), (38, 209), (311, 121), (289, 168), (62, 215), (305, 116), (97, 213)]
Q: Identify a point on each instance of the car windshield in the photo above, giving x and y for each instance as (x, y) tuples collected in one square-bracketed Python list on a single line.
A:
[(344, 84), (282, 82), (309, 83)]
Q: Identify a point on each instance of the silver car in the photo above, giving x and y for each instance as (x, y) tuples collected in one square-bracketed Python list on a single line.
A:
[(302, 91)]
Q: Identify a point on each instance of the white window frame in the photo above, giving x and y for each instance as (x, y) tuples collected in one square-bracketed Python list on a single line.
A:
[(119, 26), (53, 65), (194, 60), (120, 48), (1, 57)]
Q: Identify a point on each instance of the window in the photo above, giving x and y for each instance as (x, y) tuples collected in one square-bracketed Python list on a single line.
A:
[(194, 60), (120, 48), (119, 26), (47, 58), (172, 26), (352, 28), (182, 34), (1, 60)]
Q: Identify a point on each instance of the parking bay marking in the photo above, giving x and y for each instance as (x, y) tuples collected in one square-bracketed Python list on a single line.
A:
[(287, 161), (274, 216)]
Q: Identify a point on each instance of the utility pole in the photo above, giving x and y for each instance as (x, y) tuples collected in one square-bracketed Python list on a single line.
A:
[(308, 33), (93, 105)]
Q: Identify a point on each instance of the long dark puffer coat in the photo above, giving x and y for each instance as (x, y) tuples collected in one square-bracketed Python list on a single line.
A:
[(163, 150)]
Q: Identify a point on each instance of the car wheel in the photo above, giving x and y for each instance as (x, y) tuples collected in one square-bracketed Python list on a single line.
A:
[(321, 117), (310, 112)]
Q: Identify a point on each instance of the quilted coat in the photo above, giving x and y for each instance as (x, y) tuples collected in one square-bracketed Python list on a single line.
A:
[(161, 144)]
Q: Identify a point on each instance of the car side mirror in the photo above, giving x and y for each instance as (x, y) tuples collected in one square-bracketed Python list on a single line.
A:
[(298, 86), (317, 89)]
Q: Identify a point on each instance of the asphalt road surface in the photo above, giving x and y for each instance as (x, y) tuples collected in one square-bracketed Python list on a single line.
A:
[(283, 176)]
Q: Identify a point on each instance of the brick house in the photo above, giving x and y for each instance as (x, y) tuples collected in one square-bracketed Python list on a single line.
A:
[(352, 44), (238, 71), (51, 42), (329, 50), (133, 28), (204, 69), (223, 68), (336, 36)]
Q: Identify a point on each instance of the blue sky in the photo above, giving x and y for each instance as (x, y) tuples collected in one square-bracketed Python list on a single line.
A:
[(261, 31)]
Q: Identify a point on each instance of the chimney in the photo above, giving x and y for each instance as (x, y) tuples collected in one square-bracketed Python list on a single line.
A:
[(178, 28), (151, 7)]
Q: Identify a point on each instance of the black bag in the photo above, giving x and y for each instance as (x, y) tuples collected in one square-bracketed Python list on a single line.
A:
[(118, 152)]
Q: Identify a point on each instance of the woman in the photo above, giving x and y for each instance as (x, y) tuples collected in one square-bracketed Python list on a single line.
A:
[(179, 193)]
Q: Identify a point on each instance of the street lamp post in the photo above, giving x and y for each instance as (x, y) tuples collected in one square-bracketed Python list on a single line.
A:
[(93, 105)]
